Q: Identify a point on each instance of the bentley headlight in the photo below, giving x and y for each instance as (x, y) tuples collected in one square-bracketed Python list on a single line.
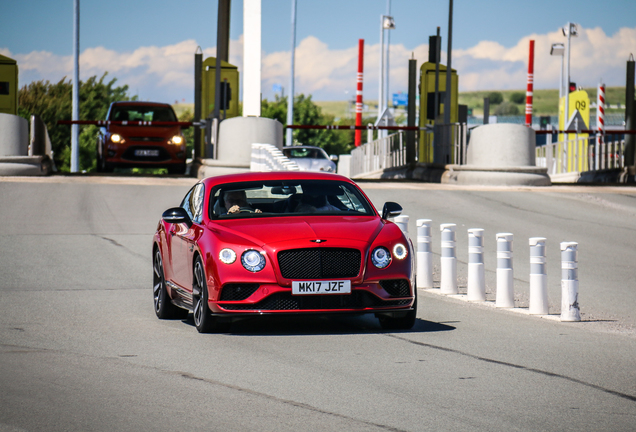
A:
[(227, 256), (116, 138), (380, 257), (400, 251), (177, 139), (253, 260)]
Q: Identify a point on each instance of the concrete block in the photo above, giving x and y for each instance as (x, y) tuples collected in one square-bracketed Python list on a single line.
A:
[(236, 136), (14, 135)]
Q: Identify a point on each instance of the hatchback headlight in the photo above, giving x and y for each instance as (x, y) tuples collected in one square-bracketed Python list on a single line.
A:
[(380, 257), (116, 138), (253, 260), (177, 139)]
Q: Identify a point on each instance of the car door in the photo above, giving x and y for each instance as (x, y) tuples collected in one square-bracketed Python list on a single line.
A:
[(184, 237)]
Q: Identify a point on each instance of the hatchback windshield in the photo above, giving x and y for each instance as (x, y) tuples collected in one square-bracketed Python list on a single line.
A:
[(287, 198), (142, 113)]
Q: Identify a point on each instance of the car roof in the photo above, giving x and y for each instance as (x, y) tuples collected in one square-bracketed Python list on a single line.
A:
[(273, 175)]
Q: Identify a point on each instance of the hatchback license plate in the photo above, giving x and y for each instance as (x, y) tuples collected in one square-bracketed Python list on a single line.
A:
[(321, 287), (146, 152)]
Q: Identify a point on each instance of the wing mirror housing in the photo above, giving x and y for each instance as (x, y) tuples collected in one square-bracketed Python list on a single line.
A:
[(391, 209), (333, 158), (177, 215)]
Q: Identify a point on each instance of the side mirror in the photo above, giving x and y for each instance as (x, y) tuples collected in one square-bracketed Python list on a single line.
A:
[(177, 215), (333, 158), (391, 209)]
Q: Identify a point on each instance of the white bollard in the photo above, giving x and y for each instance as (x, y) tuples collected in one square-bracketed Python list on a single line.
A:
[(538, 277), (570, 282), (403, 222), (448, 260), (505, 289), (424, 254), (476, 276)]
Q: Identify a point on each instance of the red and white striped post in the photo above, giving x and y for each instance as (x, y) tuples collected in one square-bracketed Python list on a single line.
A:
[(600, 123), (358, 139), (530, 85)]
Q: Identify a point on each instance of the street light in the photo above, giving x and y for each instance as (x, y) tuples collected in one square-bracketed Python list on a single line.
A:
[(386, 23), (558, 49), (569, 30)]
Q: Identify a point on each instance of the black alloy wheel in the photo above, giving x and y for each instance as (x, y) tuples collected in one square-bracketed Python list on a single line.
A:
[(163, 306), (203, 319)]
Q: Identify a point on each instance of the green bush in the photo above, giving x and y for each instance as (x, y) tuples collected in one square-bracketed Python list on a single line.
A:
[(518, 98), (507, 108)]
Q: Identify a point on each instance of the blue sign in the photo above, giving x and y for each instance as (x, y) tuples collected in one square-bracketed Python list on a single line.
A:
[(276, 88), (400, 99)]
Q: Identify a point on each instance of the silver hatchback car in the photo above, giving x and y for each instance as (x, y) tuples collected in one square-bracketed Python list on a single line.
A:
[(310, 158)]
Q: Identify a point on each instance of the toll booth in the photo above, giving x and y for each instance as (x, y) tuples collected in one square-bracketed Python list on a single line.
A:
[(579, 105), (427, 105), (229, 89), (8, 86)]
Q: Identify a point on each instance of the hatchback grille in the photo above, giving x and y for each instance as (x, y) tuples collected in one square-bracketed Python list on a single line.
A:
[(286, 301), (237, 292), (396, 287), (148, 139), (319, 263)]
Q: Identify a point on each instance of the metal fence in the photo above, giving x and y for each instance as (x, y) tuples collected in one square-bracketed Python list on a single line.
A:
[(583, 153), (444, 144), (383, 153)]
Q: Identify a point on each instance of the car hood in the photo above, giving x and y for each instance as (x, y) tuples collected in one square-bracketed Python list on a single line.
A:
[(295, 231)]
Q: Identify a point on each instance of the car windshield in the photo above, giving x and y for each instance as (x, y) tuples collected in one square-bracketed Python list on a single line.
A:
[(287, 198), (304, 153), (142, 113)]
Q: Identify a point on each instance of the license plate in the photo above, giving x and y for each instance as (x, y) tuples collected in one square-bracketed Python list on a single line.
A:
[(321, 287), (146, 152)]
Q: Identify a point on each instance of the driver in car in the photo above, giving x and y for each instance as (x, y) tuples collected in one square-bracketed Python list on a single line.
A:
[(235, 201)]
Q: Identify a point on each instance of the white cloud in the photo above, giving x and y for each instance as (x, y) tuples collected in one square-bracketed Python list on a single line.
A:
[(166, 73)]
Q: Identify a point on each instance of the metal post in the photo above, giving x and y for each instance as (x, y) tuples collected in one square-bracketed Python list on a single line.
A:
[(570, 282), (448, 260), (447, 101), (424, 254), (75, 107), (410, 141), (486, 110), (198, 62), (359, 106), (505, 290), (600, 123), (538, 277), (386, 67), (630, 115), (476, 274), (222, 50), (381, 80), (438, 47), (289, 138), (567, 75), (530, 84)]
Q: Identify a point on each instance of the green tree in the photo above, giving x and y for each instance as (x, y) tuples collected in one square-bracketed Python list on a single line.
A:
[(306, 112), (518, 97), (507, 108), (53, 102), (495, 98)]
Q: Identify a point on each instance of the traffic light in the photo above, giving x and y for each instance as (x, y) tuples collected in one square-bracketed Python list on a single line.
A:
[(572, 87)]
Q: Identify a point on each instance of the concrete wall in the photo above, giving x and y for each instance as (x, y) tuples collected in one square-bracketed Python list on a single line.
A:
[(14, 135), (502, 145)]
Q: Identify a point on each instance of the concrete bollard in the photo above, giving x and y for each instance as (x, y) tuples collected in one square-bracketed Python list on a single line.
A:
[(505, 289), (570, 282), (448, 260), (538, 277), (424, 254), (403, 222), (476, 276)]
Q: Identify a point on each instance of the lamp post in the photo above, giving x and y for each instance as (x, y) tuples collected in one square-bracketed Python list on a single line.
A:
[(569, 30), (386, 23), (557, 50)]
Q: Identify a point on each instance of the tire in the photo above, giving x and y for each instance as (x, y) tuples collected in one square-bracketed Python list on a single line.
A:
[(402, 323), (163, 306), (203, 319)]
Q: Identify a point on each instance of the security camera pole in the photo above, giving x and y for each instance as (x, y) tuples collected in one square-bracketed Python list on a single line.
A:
[(569, 30)]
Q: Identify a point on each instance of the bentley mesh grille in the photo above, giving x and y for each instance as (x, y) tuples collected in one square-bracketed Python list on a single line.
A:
[(237, 291), (287, 301), (319, 263), (396, 287)]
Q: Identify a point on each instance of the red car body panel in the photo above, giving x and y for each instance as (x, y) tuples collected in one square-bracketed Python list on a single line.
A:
[(179, 244)]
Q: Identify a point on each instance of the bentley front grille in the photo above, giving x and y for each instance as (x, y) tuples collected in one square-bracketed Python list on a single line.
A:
[(319, 263)]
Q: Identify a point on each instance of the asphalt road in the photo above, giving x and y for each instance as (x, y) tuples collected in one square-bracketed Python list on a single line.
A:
[(81, 348)]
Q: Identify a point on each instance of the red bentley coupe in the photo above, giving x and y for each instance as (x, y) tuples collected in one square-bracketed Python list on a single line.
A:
[(281, 243)]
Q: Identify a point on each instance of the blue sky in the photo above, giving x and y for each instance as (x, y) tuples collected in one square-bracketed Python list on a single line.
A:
[(133, 40)]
